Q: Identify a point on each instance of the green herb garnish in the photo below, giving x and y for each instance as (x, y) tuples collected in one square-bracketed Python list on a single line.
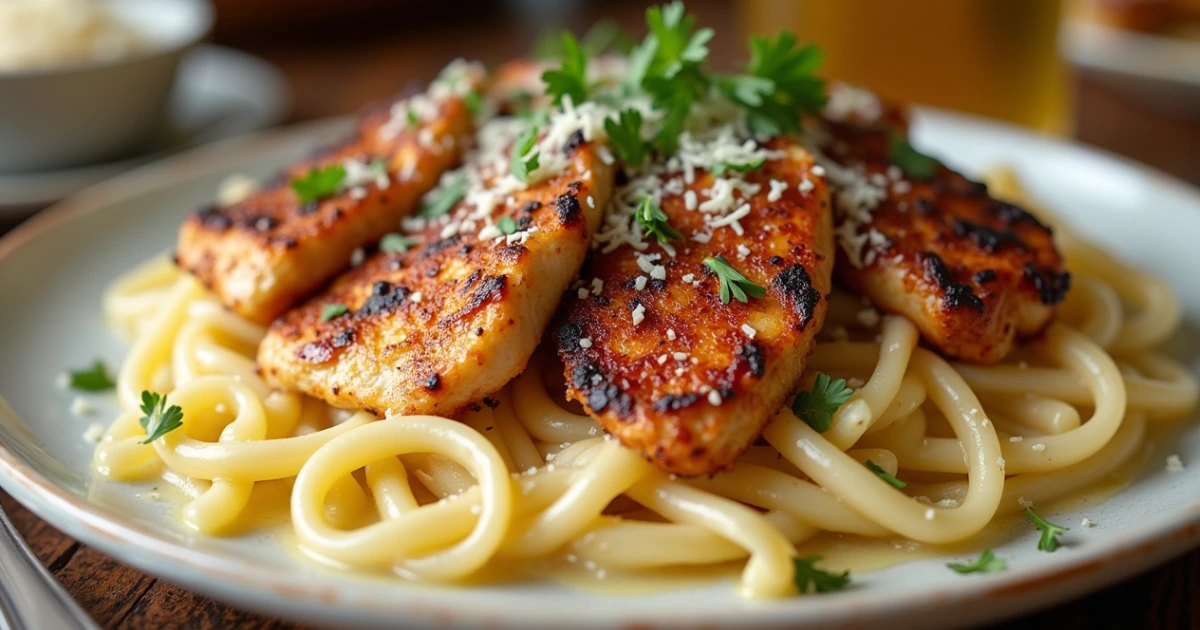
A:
[(378, 167), (1050, 531), (753, 165), (654, 221), (92, 379), (319, 183), (473, 101), (914, 163), (394, 243), (333, 310), (733, 284), (570, 79), (158, 419), (506, 225), (444, 198), (625, 137), (817, 405), (524, 159), (987, 563), (811, 579), (883, 474), (779, 85)]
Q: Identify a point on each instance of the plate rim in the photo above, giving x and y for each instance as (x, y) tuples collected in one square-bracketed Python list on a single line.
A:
[(269, 589)]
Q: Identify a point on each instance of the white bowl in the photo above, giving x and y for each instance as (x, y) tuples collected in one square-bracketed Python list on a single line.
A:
[(88, 112)]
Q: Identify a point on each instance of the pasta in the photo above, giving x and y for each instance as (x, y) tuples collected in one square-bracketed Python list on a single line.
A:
[(531, 478)]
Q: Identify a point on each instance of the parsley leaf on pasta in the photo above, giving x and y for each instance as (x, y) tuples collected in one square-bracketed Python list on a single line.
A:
[(810, 579), (319, 183), (157, 418), (817, 405), (1050, 531), (95, 378), (442, 199), (987, 563), (885, 475)]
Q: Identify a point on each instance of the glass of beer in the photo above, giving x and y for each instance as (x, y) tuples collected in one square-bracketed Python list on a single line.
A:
[(997, 58)]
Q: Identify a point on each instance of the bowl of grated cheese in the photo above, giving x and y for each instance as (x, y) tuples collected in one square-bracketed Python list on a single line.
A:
[(82, 81)]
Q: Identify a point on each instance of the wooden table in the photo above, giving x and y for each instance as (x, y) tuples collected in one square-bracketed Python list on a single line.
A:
[(344, 74)]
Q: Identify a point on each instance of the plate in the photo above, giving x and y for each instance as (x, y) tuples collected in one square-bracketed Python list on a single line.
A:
[(1159, 70), (52, 321), (219, 93)]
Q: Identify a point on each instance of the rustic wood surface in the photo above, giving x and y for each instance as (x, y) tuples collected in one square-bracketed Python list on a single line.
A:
[(333, 75)]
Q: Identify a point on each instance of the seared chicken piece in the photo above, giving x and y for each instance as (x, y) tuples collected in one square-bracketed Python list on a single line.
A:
[(264, 254), (972, 272), (451, 320), (650, 349)]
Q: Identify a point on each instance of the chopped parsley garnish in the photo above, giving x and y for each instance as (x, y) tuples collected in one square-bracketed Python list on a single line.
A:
[(753, 165), (603, 36), (157, 418), (410, 115), (394, 243), (625, 137), (733, 284), (378, 166), (654, 221), (444, 198), (570, 79), (319, 183), (333, 310), (987, 563), (883, 474), (506, 225), (779, 85), (524, 159), (1050, 531), (914, 163), (92, 379), (817, 405), (811, 579), (473, 101), (667, 65)]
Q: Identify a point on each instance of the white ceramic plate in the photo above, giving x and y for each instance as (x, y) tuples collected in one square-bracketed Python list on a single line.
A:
[(53, 270), (219, 93)]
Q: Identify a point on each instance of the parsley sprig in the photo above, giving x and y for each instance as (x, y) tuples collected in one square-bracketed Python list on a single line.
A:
[(506, 225), (883, 474), (733, 284), (817, 405), (625, 137), (654, 222), (394, 243), (524, 159), (440, 201), (333, 310), (570, 78), (779, 84), (811, 579), (746, 167), (1050, 531), (987, 563), (157, 418), (94, 378), (319, 183), (914, 163)]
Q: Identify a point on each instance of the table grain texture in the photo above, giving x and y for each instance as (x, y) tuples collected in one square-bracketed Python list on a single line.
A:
[(337, 73)]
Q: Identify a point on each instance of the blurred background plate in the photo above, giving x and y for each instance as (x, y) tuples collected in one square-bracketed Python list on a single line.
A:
[(1161, 70), (220, 92)]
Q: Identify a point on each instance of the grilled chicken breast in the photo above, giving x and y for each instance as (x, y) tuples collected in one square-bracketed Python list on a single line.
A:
[(972, 272), (649, 348), (454, 318), (267, 252)]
